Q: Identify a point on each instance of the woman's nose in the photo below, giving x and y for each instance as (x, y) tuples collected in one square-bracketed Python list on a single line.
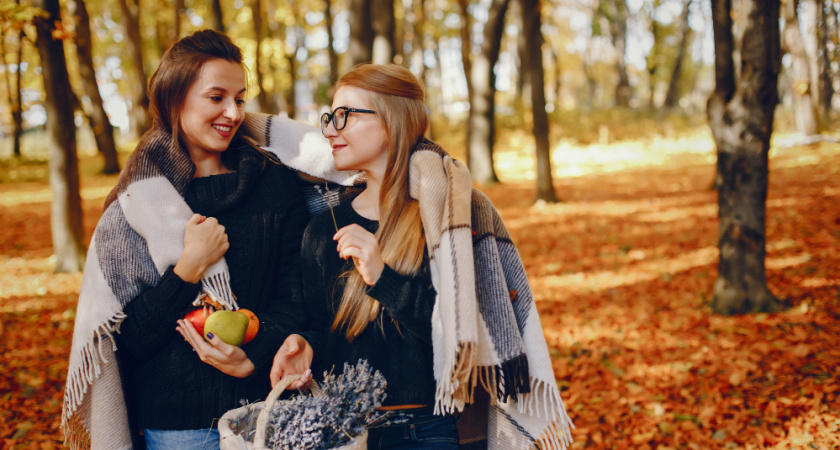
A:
[(233, 111), (329, 130)]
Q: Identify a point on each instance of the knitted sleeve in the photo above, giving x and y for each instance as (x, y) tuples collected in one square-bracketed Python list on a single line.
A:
[(407, 299), (151, 317)]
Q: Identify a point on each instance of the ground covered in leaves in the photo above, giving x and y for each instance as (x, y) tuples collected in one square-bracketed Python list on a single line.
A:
[(622, 271)]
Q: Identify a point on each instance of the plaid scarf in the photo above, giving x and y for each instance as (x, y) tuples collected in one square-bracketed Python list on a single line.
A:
[(139, 235), (485, 327)]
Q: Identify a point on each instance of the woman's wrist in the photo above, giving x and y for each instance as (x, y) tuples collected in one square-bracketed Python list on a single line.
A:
[(187, 271)]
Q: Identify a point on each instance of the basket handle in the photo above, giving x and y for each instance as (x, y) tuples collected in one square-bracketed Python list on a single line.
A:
[(262, 419)]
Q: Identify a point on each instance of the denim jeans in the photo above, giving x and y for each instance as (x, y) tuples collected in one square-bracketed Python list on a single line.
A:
[(422, 430), (207, 438)]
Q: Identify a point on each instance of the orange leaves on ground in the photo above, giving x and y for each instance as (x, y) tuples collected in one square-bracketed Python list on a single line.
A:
[(623, 273)]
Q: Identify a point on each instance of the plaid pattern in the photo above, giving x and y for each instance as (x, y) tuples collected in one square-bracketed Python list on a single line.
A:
[(485, 327)]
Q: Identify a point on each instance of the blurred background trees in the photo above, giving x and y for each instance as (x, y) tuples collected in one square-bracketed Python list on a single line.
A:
[(577, 71), (638, 55)]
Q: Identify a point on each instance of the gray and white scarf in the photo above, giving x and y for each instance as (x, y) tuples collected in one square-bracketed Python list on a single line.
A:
[(485, 327)]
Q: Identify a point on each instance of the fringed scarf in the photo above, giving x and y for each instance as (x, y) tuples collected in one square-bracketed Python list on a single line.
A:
[(139, 235), (485, 327)]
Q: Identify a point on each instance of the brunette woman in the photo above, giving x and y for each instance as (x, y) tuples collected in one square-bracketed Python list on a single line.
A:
[(198, 212)]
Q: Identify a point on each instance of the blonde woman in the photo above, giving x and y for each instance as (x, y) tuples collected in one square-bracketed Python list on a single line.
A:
[(418, 275)]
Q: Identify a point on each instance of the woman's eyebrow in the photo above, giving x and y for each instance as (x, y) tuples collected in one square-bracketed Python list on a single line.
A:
[(218, 88)]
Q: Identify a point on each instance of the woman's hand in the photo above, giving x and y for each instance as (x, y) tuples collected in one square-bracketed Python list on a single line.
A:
[(205, 242), (227, 358), (361, 245), (293, 357)]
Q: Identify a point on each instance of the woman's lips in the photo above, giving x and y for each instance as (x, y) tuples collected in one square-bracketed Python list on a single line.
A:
[(223, 130)]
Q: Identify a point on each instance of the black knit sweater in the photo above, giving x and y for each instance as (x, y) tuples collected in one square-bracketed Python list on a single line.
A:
[(402, 353), (262, 209)]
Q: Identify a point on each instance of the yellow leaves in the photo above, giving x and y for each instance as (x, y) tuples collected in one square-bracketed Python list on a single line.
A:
[(800, 350), (640, 438), (736, 377)]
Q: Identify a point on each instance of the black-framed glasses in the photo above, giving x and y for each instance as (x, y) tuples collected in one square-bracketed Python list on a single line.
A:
[(339, 117)]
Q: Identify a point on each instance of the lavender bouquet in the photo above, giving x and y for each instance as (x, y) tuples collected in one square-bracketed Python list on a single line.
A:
[(345, 405)]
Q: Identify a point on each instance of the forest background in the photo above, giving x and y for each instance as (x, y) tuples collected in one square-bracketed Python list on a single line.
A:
[(620, 178)]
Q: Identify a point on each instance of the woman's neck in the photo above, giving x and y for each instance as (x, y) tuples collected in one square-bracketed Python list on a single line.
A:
[(208, 166), (366, 204)]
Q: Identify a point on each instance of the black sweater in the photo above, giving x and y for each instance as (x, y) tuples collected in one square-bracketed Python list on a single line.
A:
[(262, 210), (403, 354)]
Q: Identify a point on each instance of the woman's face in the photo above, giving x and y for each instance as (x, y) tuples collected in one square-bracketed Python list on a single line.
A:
[(212, 110), (363, 143)]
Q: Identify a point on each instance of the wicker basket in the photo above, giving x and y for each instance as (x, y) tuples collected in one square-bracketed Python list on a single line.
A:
[(230, 440)]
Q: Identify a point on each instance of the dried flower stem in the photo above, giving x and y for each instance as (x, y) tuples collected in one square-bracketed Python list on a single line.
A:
[(328, 198)]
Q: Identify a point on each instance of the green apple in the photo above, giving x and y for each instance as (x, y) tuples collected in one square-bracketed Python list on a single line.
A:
[(228, 325)]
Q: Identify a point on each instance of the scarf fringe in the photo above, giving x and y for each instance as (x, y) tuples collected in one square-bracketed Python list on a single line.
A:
[(558, 435), (76, 436), (79, 380), (217, 286), (454, 391), (554, 438)]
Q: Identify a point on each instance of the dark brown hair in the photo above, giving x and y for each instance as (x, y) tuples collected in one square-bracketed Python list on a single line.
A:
[(178, 69)]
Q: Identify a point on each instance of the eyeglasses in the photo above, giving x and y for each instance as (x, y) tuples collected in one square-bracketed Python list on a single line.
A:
[(339, 117)]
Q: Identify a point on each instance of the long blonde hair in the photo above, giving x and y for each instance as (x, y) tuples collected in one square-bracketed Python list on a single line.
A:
[(398, 99)]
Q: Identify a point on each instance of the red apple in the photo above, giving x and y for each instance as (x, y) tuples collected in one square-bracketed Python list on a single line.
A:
[(253, 325), (197, 317)]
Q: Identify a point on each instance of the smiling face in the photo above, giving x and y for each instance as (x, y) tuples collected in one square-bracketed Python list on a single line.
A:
[(212, 110), (363, 142)]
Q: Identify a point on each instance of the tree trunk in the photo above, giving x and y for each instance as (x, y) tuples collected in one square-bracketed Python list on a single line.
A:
[(331, 53), (652, 59), (17, 109), (741, 119), (672, 97), (13, 100), (532, 68), (180, 9), (383, 31), (417, 62), (140, 106), (617, 16), (810, 19), (103, 132), (520, 77), (217, 21), (466, 52), (482, 127), (360, 49), (263, 99), (163, 30), (800, 77), (558, 78), (824, 64), (66, 213), (291, 57)]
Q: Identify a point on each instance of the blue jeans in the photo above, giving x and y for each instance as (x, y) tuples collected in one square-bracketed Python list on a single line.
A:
[(207, 438), (423, 430)]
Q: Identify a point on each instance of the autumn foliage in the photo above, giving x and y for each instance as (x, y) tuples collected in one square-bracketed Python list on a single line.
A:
[(621, 270)]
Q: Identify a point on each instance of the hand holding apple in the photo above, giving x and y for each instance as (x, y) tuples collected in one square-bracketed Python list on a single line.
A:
[(227, 358), (233, 327)]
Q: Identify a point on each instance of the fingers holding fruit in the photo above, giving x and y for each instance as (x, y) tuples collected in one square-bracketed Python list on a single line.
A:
[(205, 242), (215, 351), (233, 327), (217, 335)]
